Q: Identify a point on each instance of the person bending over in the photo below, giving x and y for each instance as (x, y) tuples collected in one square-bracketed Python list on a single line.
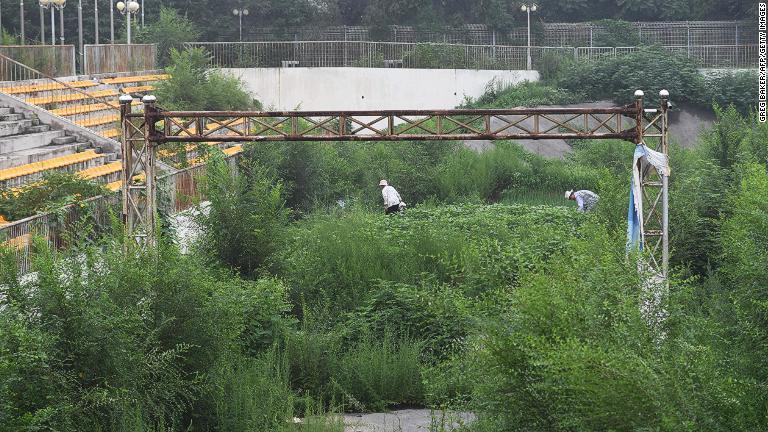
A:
[(587, 200), (392, 201)]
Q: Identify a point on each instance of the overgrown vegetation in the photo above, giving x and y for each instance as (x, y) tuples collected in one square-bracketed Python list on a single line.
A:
[(54, 191), (302, 298), (169, 32), (194, 86)]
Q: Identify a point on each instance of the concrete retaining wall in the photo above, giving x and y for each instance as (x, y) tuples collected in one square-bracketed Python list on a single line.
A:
[(369, 88)]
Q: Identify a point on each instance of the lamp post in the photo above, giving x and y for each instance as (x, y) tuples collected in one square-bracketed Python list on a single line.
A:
[(96, 21), (53, 5), (21, 17), (111, 23), (42, 25), (528, 9), (127, 9), (240, 13)]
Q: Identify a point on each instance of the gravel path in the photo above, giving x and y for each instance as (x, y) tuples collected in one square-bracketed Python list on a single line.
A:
[(409, 420)]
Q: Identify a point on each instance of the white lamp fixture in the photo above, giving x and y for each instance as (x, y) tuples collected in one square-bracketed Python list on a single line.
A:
[(528, 9), (240, 13), (131, 7)]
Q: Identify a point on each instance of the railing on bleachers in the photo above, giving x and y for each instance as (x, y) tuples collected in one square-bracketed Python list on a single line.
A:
[(51, 60), (179, 191), (437, 55), (58, 96), (109, 58)]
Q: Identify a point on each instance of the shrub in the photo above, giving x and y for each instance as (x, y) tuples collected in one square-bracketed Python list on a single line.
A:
[(246, 218), (54, 191), (526, 94), (169, 32), (649, 69), (194, 86), (112, 338)]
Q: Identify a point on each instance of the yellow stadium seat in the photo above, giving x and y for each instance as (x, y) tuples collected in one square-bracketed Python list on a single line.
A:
[(101, 171), (33, 88), (96, 121), (136, 79), (109, 133), (71, 97), (58, 162), (138, 89)]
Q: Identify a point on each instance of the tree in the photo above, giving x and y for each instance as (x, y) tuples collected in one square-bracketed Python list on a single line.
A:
[(169, 32)]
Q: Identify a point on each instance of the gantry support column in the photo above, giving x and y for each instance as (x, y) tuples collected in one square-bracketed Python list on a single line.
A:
[(139, 169)]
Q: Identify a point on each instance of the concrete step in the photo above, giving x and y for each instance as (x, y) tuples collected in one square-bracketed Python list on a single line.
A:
[(6, 110), (28, 141), (38, 128), (11, 117), (63, 140), (43, 153), (8, 128)]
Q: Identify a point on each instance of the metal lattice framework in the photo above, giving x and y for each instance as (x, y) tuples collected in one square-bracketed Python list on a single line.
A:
[(144, 132)]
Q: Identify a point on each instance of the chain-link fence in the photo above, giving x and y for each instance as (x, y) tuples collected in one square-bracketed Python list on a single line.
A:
[(441, 56), (687, 33)]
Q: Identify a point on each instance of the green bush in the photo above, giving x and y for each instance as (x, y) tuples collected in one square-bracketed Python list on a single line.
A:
[(526, 94), (170, 32), (649, 69), (54, 191), (246, 218), (112, 338), (731, 88), (576, 351), (194, 86)]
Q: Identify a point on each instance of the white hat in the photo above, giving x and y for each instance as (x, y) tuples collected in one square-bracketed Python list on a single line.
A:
[(568, 194), (383, 183)]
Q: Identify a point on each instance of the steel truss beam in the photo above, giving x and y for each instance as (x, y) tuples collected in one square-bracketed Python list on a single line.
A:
[(144, 132)]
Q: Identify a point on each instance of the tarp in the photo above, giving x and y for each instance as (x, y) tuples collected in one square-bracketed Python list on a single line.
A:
[(644, 159)]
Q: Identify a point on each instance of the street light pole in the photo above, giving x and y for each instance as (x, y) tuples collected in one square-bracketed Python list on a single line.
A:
[(80, 32), (61, 24), (21, 15), (42, 25), (528, 9), (127, 9), (96, 21), (111, 23), (240, 13)]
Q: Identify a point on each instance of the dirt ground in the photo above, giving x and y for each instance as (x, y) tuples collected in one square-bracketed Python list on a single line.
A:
[(409, 420)]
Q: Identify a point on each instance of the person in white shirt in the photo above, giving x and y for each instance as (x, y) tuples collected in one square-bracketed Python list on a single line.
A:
[(587, 200), (392, 201)]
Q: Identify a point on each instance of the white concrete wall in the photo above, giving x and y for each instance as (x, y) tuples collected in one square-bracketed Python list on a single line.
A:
[(316, 89)]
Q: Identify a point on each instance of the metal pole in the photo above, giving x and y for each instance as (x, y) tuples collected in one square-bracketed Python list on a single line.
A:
[(80, 33), (240, 16), (21, 14), (61, 24), (528, 9), (142, 13), (96, 21), (150, 209), (1, 17), (53, 25), (128, 26), (664, 96), (111, 23), (42, 25)]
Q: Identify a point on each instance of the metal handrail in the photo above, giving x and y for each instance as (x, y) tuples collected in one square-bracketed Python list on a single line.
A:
[(63, 83)]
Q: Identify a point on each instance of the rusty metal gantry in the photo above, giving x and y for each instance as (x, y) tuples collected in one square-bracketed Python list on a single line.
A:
[(143, 133)]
